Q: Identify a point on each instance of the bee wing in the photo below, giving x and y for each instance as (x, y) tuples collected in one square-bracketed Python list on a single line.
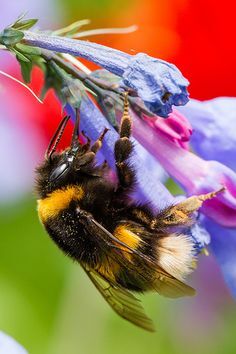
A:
[(166, 285), (123, 302), (150, 273)]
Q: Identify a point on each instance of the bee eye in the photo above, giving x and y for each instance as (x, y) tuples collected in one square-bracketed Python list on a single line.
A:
[(59, 171)]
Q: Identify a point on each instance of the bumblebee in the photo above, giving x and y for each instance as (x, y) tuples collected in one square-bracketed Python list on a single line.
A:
[(122, 245)]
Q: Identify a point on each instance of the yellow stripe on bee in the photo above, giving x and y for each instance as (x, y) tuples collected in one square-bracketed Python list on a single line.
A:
[(109, 267), (124, 234), (57, 201)]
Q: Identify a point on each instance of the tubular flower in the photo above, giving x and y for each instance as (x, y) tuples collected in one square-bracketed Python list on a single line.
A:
[(200, 176), (153, 86), (196, 175), (175, 128), (223, 245), (158, 83), (214, 125)]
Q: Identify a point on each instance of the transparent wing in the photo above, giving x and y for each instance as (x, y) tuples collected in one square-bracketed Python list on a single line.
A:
[(166, 285), (121, 301), (153, 277)]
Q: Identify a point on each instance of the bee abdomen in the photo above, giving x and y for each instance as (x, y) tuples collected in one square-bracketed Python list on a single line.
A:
[(175, 254)]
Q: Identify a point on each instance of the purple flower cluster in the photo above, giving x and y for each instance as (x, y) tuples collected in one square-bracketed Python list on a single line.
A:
[(207, 128)]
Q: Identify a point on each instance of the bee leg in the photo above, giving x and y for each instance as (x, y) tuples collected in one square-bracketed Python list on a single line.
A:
[(85, 160), (98, 144), (180, 214), (88, 141), (124, 148)]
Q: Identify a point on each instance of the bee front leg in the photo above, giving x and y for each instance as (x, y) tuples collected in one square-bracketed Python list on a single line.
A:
[(123, 150)]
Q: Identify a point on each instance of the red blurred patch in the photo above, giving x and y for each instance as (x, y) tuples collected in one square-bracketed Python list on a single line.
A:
[(207, 49), (42, 117)]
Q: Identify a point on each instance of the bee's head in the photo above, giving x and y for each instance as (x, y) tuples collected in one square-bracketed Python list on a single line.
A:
[(70, 166)]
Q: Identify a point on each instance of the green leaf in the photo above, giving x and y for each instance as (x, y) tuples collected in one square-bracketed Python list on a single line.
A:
[(26, 69), (50, 80), (39, 61), (19, 55), (25, 24), (10, 36), (71, 89), (23, 48)]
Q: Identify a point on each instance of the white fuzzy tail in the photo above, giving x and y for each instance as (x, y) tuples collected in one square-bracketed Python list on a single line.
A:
[(176, 255)]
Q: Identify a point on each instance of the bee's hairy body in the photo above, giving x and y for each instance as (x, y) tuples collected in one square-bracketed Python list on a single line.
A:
[(123, 246), (96, 197)]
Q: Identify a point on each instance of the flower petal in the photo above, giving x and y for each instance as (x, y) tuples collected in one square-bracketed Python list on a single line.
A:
[(159, 83), (9, 346), (196, 175), (223, 245), (214, 124), (176, 127)]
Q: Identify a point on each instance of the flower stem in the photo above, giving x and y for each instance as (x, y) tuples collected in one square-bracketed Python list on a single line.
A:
[(89, 81)]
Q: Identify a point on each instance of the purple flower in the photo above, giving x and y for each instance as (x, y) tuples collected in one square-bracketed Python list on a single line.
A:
[(223, 245), (9, 346), (175, 128), (214, 137), (158, 83), (196, 175), (214, 127), (199, 176)]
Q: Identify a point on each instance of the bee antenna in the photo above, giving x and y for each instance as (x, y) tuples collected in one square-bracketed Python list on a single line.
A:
[(57, 136), (76, 132)]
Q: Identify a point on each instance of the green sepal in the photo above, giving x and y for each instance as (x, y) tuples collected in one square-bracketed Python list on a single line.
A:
[(27, 57), (25, 24), (50, 81), (10, 36), (72, 92), (110, 104), (39, 61), (26, 69), (19, 55), (26, 49), (106, 76), (71, 89)]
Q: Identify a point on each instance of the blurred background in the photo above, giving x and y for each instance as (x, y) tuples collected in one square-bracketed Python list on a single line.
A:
[(46, 302)]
